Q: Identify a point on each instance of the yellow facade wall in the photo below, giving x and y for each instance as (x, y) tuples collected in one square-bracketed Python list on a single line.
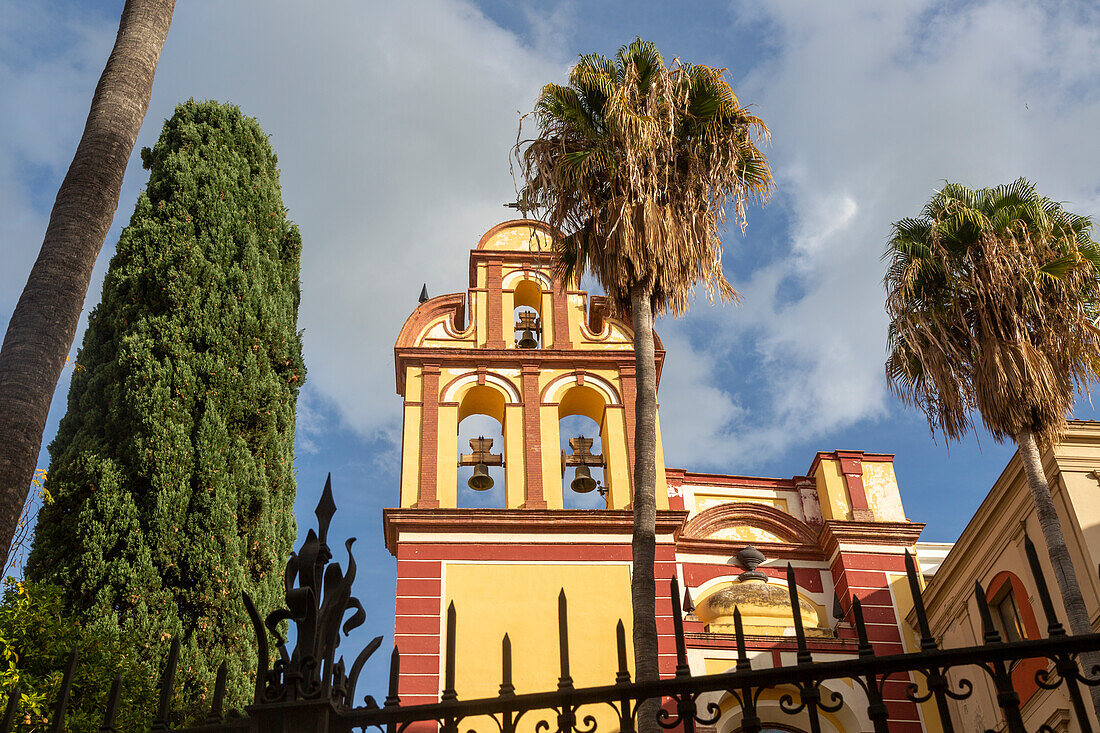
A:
[(599, 596), (514, 467), (551, 456), (881, 487), (661, 490), (546, 315), (481, 309), (832, 491), (446, 456), (410, 455), (575, 308), (617, 469)]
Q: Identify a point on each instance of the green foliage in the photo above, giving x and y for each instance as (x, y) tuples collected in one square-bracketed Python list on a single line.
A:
[(172, 472), (636, 161), (36, 635), (993, 296)]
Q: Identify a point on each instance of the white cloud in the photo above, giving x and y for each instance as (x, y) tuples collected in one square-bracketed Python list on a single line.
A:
[(872, 105), (393, 121)]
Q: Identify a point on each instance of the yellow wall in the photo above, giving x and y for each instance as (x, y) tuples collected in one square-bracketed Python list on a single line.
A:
[(832, 491), (410, 457), (661, 489), (514, 459), (522, 601), (612, 422), (446, 488), (881, 487)]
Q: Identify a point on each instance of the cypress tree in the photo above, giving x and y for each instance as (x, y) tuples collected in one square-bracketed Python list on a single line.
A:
[(172, 471)]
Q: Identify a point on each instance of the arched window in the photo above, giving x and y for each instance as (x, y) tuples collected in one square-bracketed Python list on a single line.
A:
[(1014, 619), (580, 420), (576, 478), (481, 420), (527, 314)]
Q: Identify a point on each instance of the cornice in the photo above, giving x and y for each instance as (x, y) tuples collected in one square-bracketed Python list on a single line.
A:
[(729, 548), (697, 639), (835, 455), (836, 532), (533, 521), (514, 358)]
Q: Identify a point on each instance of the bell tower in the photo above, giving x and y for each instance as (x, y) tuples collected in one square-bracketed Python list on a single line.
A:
[(530, 354), (526, 350)]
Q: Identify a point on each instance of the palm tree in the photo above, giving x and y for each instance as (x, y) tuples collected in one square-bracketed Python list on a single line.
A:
[(44, 322), (993, 297), (638, 160)]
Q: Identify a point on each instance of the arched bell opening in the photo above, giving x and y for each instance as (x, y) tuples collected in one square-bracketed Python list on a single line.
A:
[(481, 467), (527, 315), (583, 484), (582, 437)]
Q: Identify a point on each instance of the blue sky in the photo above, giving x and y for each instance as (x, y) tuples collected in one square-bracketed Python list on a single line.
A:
[(393, 121)]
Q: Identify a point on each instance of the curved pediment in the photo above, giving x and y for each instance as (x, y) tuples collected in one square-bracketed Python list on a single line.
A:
[(748, 522), (443, 313)]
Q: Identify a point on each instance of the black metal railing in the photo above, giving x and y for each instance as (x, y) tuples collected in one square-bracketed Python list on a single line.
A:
[(308, 689)]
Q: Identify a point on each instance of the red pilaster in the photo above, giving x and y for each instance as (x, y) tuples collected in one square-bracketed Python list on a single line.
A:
[(429, 433), (494, 337), (560, 300), (532, 438), (851, 465), (862, 572), (628, 378)]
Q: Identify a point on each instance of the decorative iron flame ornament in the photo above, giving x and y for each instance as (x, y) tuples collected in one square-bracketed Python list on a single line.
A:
[(316, 606)]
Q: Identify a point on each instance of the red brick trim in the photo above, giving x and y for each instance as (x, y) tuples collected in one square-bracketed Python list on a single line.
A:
[(481, 372), (429, 433), (532, 438), (851, 467), (559, 299), (535, 521), (628, 380), (705, 480), (494, 334)]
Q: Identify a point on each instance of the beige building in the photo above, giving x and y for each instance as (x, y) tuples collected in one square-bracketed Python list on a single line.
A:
[(991, 551)]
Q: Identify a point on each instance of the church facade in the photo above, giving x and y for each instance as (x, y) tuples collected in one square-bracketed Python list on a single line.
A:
[(499, 525)]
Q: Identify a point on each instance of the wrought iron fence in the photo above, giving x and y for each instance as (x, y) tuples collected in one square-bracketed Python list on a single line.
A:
[(308, 689)]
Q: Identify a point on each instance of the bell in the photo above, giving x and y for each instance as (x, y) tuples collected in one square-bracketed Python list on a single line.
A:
[(481, 480), (584, 482), (527, 341)]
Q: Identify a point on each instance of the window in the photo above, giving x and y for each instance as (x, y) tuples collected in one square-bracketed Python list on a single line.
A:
[(1006, 614)]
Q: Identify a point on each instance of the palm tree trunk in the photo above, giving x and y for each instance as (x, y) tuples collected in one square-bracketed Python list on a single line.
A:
[(1060, 559), (45, 319), (643, 590)]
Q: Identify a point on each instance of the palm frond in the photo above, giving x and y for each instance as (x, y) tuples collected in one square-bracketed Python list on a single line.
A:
[(992, 296)]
